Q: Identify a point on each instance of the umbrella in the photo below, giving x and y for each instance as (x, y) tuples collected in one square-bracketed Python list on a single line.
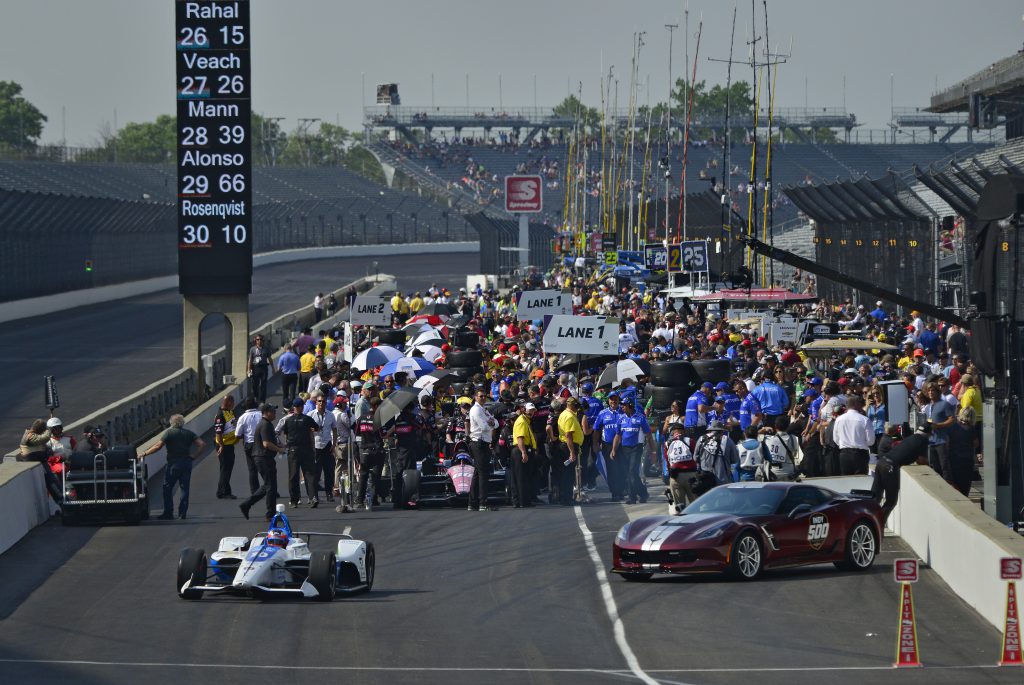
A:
[(429, 337), (458, 321), (436, 380), (584, 361), (429, 352), (625, 368), (429, 319), (412, 329), (375, 356), (437, 308), (417, 366), (393, 405)]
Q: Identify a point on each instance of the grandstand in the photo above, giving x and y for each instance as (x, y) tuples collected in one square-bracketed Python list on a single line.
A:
[(121, 218)]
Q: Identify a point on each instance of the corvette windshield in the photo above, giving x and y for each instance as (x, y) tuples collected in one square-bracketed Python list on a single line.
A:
[(741, 501)]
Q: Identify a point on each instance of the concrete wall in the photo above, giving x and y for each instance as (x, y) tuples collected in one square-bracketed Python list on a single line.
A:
[(23, 500), (47, 304), (955, 538)]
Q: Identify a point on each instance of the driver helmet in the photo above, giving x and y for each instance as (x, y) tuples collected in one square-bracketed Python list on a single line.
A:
[(54, 422), (277, 538)]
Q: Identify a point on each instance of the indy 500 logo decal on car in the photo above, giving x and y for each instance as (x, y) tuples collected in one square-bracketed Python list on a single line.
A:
[(817, 532)]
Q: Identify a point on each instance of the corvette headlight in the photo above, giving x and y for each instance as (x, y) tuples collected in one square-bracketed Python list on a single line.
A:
[(622, 534), (713, 532)]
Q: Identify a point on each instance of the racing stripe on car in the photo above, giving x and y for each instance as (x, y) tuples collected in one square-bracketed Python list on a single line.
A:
[(656, 538)]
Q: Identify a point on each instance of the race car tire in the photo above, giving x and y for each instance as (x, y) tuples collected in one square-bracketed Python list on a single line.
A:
[(712, 371), (467, 339), (468, 358), (410, 485), (371, 566), (861, 548), (674, 373), (191, 569), (637, 577), (662, 397), (390, 336), (746, 559), (464, 372), (323, 575)]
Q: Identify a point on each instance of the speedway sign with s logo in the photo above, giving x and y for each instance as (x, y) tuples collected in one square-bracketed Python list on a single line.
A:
[(905, 570), (524, 194)]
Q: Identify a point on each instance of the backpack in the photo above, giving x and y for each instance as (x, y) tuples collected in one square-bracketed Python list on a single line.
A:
[(679, 456)]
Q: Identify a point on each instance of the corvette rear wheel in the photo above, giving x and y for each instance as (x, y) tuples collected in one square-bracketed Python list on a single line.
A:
[(323, 575), (861, 548), (191, 570), (746, 559)]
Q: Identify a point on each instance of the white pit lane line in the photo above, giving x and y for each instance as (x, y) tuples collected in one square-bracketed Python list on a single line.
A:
[(609, 603)]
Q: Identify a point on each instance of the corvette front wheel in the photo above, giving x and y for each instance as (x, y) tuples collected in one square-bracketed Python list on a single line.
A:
[(746, 558)]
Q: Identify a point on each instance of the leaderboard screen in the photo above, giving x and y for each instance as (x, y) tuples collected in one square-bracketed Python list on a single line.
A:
[(212, 42)]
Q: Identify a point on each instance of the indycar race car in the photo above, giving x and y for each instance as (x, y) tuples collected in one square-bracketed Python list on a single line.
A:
[(277, 562), (743, 528), (449, 481)]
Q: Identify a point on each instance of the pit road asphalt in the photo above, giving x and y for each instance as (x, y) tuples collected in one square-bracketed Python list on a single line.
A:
[(104, 352), (508, 596)]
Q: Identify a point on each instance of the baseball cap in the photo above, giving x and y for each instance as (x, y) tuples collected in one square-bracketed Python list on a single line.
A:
[(298, 403), (843, 381), (587, 387), (722, 385), (816, 381), (356, 384), (706, 384), (528, 406), (919, 352), (267, 407), (810, 392)]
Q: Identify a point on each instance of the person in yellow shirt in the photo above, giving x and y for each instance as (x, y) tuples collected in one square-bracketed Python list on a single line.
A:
[(594, 302), (415, 304), (571, 434), (307, 362), (971, 397), (524, 445)]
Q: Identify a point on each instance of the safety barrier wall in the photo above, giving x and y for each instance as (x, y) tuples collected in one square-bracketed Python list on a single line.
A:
[(47, 304), (23, 501), (956, 539)]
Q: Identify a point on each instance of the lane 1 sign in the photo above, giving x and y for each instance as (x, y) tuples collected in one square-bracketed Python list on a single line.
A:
[(369, 310), (580, 335), (524, 194), (536, 304)]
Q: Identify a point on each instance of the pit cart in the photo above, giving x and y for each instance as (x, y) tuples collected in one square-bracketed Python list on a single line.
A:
[(105, 486)]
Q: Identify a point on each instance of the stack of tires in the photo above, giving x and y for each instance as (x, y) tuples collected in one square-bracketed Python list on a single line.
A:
[(389, 336), (671, 380), (713, 371), (465, 359)]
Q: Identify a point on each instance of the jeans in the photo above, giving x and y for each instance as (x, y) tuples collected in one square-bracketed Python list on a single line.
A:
[(178, 473), (289, 386), (259, 383), (324, 465), (267, 468), (613, 467), (300, 463), (630, 456), (938, 459)]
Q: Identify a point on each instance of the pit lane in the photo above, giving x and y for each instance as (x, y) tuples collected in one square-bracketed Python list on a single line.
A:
[(501, 597)]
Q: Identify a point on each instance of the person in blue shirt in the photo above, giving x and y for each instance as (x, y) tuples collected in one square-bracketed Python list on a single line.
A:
[(288, 364), (605, 428), (772, 398), (697, 406), (591, 408), (495, 385), (878, 314), (630, 393), (750, 409), (628, 445)]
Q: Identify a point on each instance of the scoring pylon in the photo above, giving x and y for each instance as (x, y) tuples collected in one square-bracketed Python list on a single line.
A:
[(1011, 652), (906, 644)]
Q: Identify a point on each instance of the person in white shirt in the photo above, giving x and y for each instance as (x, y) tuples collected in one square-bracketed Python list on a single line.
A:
[(324, 440), (854, 435), (245, 428), (343, 445), (481, 434)]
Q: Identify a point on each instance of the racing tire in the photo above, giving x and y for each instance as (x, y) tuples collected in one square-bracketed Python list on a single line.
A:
[(861, 548), (410, 485), (390, 336), (746, 558), (712, 371), (466, 358), (637, 577), (371, 566), (674, 373), (662, 397), (467, 339), (323, 575), (464, 372), (191, 569)]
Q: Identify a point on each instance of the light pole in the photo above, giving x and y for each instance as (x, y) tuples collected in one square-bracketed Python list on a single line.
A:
[(391, 226)]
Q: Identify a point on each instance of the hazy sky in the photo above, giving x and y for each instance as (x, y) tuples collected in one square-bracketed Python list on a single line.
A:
[(95, 56)]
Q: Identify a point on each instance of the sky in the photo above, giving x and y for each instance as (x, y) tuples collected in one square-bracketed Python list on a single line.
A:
[(80, 61)]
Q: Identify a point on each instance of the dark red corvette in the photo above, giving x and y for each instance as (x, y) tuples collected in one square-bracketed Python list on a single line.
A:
[(744, 528)]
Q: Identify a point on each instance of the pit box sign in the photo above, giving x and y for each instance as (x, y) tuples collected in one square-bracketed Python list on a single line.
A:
[(580, 335), (534, 305), (524, 194), (905, 570), (368, 310), (214, 150), (656, 257), (688, 257)]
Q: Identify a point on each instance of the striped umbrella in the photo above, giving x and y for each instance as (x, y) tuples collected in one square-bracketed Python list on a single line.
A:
[(416, 366), (429, 352), (373, 357)]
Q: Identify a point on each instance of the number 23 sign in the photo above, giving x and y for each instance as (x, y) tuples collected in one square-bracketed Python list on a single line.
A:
[(688, 257)]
